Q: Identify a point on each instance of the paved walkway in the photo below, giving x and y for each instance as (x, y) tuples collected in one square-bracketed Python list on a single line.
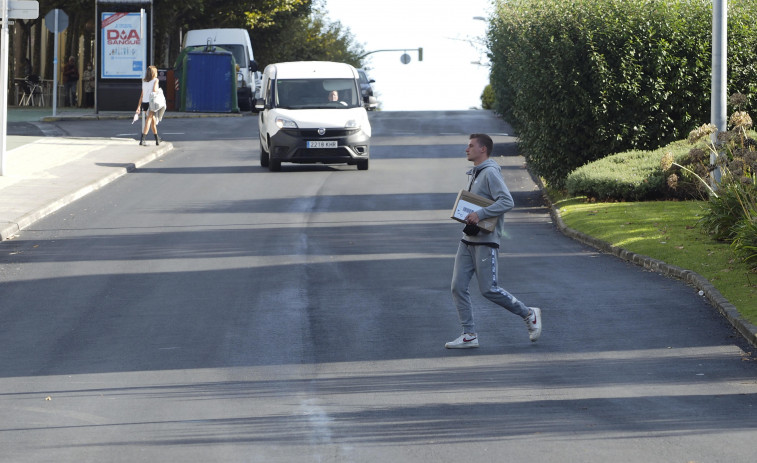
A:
[(45, 114), (43, 174), (48, 173)]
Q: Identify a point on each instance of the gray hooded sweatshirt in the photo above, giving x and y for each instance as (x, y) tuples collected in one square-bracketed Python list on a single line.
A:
[(490, 184)]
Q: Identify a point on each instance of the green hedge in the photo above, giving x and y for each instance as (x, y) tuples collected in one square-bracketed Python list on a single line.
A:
[(630, 176), (581, 79)]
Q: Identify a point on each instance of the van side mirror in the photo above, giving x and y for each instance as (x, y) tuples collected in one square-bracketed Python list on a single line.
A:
[(259, 104), (253, 65)]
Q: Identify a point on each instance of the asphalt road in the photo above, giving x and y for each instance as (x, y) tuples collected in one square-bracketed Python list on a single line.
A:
[(204, 309)]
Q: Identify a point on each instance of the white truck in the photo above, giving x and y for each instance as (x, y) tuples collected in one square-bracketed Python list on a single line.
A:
[(237, 41)]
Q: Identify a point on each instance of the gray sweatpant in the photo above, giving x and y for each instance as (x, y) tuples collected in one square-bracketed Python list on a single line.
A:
[(481, 261)]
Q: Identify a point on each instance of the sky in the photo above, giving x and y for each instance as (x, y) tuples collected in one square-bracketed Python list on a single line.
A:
[(451, 40)]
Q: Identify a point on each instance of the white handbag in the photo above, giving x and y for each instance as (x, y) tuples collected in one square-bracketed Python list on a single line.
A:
[(158, 104), (157, 100)]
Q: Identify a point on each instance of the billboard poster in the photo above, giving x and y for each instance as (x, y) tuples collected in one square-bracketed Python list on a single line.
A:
[(124, 48)]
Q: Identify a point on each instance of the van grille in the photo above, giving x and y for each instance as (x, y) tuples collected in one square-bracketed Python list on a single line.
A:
[(322, 153), (313, 133)]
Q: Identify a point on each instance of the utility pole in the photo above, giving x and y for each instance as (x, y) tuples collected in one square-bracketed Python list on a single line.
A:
[(4, 84), (718, 105), (9, 9)]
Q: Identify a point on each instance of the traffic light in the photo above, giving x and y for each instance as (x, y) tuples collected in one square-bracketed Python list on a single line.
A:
[(420, 53)]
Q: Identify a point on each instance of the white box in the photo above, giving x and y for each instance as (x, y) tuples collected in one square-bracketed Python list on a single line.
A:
[(468, 202)]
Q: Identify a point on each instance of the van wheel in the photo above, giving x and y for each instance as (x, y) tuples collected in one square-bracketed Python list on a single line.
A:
[(264, 156), (274, 165), (362, 165)]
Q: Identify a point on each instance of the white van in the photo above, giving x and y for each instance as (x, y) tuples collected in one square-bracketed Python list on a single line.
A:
[(312, 112), (237, 41)]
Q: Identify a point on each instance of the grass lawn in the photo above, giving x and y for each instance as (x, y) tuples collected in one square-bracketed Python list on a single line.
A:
[(667, 231)]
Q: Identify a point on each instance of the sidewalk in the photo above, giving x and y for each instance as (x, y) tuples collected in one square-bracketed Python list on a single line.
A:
[(49, 173), (43, 174), (45, 114)]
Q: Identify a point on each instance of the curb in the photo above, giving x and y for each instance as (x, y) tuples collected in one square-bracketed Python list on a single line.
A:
[(728, 310), (11, 229), (109, 117)]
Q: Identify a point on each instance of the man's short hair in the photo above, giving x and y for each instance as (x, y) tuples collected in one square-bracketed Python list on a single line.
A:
[(485, 141)]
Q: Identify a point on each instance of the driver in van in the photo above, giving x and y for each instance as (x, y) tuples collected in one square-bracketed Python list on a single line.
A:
[(334, 98)]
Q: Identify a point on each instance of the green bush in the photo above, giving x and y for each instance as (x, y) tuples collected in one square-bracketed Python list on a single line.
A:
[(581, 79), (630, 176), (731, 214), (745, 240), (724, 212), (487, 97)]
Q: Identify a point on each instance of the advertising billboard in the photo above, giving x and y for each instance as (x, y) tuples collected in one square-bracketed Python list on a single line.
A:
[(123, 45)]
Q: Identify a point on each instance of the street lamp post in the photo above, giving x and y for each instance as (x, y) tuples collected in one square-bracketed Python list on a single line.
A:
[(4, 84), (719, 77)]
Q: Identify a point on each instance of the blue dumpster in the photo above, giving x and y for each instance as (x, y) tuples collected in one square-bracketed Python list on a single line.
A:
[(208, 82)]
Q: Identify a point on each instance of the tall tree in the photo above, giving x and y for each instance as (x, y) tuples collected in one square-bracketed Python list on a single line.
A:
[(306, 37), (281, 30), (203, 14), (170, 19)]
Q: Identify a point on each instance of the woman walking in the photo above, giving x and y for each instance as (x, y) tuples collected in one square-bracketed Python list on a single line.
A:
[(149, 85)]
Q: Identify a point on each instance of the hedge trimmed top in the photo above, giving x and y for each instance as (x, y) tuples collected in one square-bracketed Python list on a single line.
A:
[(581, 79)]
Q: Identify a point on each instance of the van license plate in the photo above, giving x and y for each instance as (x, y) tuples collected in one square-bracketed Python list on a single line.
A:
[(322, 144)]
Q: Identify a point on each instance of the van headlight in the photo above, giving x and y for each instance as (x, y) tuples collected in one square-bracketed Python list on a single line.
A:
[(352, 124), (284, 123)]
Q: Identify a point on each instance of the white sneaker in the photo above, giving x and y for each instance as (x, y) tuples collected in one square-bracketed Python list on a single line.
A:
[(465, 341), (533, 322)]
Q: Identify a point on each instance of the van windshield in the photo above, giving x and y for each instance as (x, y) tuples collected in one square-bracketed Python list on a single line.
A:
[(238, 52), (316, 93)]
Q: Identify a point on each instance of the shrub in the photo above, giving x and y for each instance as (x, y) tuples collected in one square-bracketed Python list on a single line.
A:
[(731, 214), (487, 97), (724, 212), (581, 79), (630, 176), (745, 239)]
